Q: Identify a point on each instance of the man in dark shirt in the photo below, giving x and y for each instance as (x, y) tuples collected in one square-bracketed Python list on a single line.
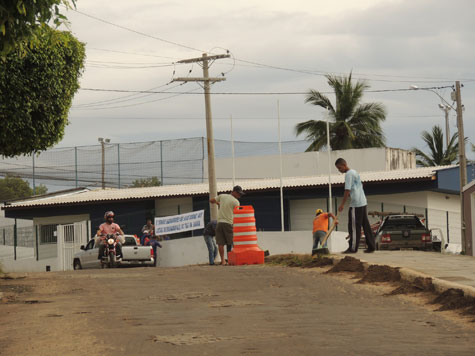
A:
[(208, 233)]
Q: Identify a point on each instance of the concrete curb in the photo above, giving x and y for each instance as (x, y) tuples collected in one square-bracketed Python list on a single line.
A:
[(409, 275)]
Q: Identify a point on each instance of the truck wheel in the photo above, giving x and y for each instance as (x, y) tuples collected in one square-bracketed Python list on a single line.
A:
[(77, 264), (111, 260)]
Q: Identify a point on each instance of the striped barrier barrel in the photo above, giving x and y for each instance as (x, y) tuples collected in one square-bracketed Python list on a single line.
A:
[(245, 250)]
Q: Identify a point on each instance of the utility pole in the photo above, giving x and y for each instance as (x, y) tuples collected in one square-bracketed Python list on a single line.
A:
[(103, 141), (207, 81), (466, 243)]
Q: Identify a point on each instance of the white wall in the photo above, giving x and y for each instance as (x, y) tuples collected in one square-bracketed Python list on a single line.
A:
[(173, 206), (313, 163), (193, 250)]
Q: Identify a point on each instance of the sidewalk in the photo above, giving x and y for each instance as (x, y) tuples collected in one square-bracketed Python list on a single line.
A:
[(451, 268)]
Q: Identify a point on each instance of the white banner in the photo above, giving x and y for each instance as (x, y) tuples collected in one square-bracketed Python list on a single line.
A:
[(180, 223)]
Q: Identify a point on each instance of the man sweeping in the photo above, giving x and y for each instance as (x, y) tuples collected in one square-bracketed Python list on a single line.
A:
[(320, 228)]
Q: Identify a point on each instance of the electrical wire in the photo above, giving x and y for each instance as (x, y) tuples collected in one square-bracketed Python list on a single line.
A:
[(137, 32), (258, 93)]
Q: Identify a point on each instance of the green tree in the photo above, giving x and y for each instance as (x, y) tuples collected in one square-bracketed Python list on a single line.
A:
[(354, 124), (437, 156), (21, 19), (17, 188), (146, 182), (36, 92)]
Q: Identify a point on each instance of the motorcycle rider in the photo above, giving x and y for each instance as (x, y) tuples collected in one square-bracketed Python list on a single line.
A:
[(109, 227)]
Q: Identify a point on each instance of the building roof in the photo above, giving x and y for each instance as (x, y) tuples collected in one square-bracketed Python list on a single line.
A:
[(98, 195)]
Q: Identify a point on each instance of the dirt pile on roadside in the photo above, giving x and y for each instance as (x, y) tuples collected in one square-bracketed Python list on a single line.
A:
[(453, 299), (348, 264), (418, 285), (303, 261), (377, 273)]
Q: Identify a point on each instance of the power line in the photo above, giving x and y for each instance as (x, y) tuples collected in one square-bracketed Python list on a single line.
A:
[(138, 32), (132, 53), (237, 118), (174, 94), (253, 93)]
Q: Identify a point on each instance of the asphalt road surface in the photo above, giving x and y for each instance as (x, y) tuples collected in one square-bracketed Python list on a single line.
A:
[(205, 310)]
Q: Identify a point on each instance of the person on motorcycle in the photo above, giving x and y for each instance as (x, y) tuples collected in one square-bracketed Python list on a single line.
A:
[(109, 228)]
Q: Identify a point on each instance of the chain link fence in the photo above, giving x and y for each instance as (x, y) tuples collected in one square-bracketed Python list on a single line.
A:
[(178, 161)]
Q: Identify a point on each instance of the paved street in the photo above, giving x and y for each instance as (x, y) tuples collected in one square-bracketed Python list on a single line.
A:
[(204, 310)]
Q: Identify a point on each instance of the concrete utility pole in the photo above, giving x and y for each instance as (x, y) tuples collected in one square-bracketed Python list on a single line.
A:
[(103, 141), (466, 243), (207, 81)]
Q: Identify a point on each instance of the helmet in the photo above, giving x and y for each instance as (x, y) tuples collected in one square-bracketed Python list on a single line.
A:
[(318, 211), (108, 213)]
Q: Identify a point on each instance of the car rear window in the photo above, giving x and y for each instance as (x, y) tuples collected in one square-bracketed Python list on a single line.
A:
[(130, 241), (403, 223)]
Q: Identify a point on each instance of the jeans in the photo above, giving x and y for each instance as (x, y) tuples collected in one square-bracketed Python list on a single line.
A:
[(102, 248), (317, 237), (212, 248)]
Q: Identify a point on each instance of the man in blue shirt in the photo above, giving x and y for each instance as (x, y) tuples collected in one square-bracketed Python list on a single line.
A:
[(357, 214)]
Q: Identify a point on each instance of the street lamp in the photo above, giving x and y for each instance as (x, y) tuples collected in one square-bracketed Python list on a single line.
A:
[(457, 97), (103, 141)]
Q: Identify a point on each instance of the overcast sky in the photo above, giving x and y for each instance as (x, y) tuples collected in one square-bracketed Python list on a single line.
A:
[(391, 44)]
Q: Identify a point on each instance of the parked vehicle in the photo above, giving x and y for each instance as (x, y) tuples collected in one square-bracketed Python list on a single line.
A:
[(132, 254), (403, 231)]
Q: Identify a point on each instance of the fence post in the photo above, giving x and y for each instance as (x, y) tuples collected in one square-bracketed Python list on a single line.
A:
[(161, 162), (14, 240), (76, 164), (404, 209), (118, 162), (37, 250), (4, 242), (448, 229), (382, 207), (427, 218)]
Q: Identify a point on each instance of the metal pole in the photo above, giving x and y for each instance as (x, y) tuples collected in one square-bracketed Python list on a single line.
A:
[(232, 151), (34, 183), (118, 163), (202, 160), (161, 162), (448, 228), (466, 243), (103, 164), (329, 163), (213, 189), (15, 239), (37, 251), (76, 164), (281, 172)]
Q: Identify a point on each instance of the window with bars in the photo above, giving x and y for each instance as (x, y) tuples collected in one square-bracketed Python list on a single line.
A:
[(48, 234)]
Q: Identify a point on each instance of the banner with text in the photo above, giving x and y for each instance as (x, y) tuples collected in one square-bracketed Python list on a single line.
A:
[(179, 223)]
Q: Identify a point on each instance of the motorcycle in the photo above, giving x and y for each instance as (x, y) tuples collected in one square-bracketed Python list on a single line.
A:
[(110, 257)]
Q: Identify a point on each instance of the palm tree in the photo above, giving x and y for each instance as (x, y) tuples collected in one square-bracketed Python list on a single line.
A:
[(437, 155), (355, 125)]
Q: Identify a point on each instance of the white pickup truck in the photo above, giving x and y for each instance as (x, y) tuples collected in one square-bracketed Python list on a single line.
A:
[(133, 254)]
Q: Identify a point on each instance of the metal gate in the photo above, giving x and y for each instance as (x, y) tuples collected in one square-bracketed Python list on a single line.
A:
[(70, 239)]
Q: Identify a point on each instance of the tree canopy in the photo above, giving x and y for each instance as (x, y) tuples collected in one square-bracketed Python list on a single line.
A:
[(146, 182), (353, 124), (437, 156), (36, 92), (17, 188), (20, 20)]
